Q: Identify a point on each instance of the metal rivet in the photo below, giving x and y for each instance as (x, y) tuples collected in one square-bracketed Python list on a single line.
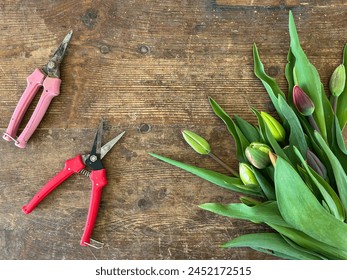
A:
[(51, 64), (93, 158)]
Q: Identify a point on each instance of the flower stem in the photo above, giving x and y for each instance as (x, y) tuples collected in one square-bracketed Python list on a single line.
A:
[(217, 159), (335, 98), (313, 123)]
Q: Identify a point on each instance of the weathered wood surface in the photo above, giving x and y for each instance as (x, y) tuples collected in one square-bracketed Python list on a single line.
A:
[(147, 67)]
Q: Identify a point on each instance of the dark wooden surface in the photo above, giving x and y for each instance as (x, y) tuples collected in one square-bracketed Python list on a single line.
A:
[(147, 67)]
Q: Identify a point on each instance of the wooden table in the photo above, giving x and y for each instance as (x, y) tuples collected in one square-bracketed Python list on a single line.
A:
[(147, 67)]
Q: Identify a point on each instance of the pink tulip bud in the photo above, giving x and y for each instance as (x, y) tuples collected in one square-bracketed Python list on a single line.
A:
[(302, 101)]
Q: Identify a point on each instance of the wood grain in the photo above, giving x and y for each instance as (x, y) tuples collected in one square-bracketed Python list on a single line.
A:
[(147, 67)]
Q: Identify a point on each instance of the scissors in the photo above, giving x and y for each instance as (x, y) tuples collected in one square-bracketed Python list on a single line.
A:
[(97, 176), (47, 77)]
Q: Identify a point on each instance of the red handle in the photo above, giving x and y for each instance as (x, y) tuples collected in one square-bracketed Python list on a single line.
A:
[(34, 81), (98, 178), (72, 166), (51, 88)]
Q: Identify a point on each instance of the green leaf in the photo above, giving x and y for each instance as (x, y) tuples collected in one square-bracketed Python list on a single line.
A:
[(307, 77), (339, 137), (261, 125), (269, 83), (274, 144), (240, 139), (296, 137), (266, 212), (248, 130), (224, 181), (338, 146), (332, 200), (273, 243), (341, 111), (267, 188), (339, 172), (320, 249), (289, 76), (301, 210)]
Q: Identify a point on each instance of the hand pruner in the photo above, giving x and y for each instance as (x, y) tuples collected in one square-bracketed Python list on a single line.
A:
[(97, 176), (47, 77)]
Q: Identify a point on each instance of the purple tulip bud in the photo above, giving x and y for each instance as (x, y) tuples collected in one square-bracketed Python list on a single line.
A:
[(302, 101), (314, 162)]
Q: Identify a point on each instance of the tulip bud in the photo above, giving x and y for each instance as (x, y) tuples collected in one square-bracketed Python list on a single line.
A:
[(314, 162), (338, 80), (247, 175), (199, 144), (302, 101), (275, 128), (258, 154), (273, 158)]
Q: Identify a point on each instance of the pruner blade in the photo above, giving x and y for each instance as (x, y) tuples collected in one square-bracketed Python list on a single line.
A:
[(52, 67), (94, 158), (108, 146)]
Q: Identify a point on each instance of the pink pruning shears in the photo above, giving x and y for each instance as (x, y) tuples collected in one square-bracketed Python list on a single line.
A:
[(47, 77), (97, 177)]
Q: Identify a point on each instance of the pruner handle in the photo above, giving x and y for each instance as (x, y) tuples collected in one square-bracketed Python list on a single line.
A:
[(51, 88), (99, 180), (72, 166), (34, 82)]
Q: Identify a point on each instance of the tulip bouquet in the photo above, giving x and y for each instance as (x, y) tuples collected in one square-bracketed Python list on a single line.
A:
[(292, 167)]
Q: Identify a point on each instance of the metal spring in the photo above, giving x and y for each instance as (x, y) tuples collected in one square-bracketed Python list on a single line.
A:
[(85, 172)]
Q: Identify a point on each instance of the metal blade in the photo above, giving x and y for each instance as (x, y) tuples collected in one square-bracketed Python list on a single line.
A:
[(96, 150), (94, 159), (108, 146), (52, 67), (62, 47)]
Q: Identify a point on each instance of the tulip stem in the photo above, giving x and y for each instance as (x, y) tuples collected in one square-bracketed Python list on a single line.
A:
[(313, 123), (335, 103), (217, 159)]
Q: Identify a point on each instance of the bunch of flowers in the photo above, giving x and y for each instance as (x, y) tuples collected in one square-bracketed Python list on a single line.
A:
[(292, 168)]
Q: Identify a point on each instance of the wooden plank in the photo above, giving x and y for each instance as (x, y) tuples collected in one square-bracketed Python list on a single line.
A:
[(259, 3), (147, 67)]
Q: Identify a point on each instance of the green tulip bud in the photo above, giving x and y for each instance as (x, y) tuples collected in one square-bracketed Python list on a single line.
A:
[(258, 154), (247, 175), (275, 128), (199, 144), (338, 80)]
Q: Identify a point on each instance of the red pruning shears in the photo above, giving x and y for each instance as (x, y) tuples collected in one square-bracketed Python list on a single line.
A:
[(47, 77), (97, 176)]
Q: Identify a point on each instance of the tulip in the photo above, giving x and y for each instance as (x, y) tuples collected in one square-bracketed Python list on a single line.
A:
[(314, 162), (258, 154), (275, 128), (199, 144), (338, 80), (273, 158), (202, 147), (302, 102), (247, 175), (337, 84), (304, 105)]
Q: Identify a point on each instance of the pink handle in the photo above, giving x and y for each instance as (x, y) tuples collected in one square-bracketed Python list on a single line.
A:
[(34, 82), (98, 178), (51, 88), (72, 166)]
